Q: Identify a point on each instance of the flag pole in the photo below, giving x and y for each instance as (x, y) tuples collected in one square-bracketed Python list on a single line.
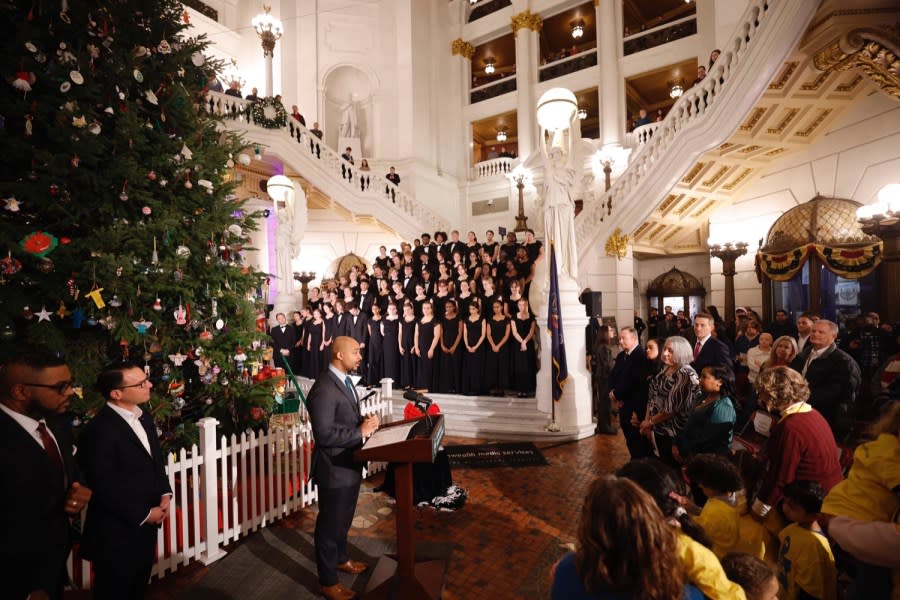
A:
[(553, 426)]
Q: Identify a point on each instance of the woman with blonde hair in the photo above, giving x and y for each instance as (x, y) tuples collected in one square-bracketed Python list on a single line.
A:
[(624, 548), (801, 445), (784, 350)]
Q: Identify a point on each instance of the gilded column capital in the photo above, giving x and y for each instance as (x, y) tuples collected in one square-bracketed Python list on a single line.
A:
[(617, 244), (875, 52), (462, 47), (526, 19)]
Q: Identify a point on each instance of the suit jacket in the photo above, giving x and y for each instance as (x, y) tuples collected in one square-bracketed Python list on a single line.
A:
[(32, 510), (366, 301), (283, 340), (127, 482), (625, 378), (341, 323), (713, 352), (335, 417), (359, 331), (834, 380)]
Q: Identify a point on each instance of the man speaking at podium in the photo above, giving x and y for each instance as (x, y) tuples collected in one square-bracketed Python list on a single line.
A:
[(339, 430)]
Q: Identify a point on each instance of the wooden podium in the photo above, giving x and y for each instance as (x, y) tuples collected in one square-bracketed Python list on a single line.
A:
[(399, 576)]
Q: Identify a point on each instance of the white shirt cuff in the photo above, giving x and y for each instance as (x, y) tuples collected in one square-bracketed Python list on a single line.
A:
[(761, 508)]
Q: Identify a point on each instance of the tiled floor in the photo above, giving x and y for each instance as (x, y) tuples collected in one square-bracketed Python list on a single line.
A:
[(514, 525)]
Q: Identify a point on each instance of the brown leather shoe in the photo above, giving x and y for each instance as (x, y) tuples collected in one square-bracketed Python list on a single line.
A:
[(353, 567), (338, 591)]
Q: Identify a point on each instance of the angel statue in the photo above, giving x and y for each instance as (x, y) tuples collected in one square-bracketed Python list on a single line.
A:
[(560, 158), (349, 121), (292, 219)]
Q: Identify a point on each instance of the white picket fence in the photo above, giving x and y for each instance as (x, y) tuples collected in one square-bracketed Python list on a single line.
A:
[(233, 486)]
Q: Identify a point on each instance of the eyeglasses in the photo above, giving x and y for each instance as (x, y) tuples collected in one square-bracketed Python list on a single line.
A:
[(139, 384), (60, 388)]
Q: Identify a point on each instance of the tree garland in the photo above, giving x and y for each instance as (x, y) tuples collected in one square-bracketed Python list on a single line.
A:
[(258, 113)]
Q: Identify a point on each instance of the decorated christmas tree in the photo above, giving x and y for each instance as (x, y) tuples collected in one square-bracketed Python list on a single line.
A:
[(122, 237)]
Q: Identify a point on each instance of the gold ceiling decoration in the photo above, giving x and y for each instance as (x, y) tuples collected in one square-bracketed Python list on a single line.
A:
[(526, 19), (462, 47), (876, 52), (617, 244)]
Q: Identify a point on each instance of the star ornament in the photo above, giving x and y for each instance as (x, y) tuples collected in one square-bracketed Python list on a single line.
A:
[(44, 315)]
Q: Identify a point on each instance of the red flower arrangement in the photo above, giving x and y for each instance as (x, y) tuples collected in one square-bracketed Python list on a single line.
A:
[(411, 411)]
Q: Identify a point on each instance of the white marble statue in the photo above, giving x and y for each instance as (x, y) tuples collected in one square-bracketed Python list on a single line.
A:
[(349, 121), (292, 219), (560, 160)]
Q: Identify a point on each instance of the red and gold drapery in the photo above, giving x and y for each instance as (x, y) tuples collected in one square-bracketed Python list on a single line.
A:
[(848, 262)]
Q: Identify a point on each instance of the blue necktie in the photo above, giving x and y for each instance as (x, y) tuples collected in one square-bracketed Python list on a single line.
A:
[(349, 383)]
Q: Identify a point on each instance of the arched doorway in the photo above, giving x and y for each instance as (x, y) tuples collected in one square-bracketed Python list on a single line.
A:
[(679, 290)]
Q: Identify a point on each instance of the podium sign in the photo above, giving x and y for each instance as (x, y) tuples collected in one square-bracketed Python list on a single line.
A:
[(404, 443)]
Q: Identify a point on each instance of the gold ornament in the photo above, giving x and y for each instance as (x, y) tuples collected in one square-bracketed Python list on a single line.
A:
[(461, 47), (528, 20), (617, 244)]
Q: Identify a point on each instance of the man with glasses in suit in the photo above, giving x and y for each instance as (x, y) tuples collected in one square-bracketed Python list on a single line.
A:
[(123, 463), (42, 489)]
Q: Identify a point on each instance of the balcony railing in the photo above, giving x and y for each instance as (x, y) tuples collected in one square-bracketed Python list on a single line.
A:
[(492, 90), (663, 34), (570, 64), (641, 135), (492, 168), (486, 7)]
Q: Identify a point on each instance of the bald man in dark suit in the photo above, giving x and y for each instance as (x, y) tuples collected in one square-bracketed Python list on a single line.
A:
[(339, 430)]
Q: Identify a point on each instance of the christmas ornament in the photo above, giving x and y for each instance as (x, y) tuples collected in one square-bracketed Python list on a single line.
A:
[(77, 318), (39, 243), (27, 314), (123, 195), (115, 302), (180, 315), (178, 403), (23, 81), (79, 121), (123, 348), (205, 336), (146, 211), (164, 47), (205, 184), (198, 59), (73, 288), (186, 152), (157, 304), (76, 77), (7, 333), (75, 161), (11, 204), (151, 175), (94, 295), (142, 326), (177, 359), (45, 265), (154, 258), (65, 86), (151, 98), (10, 265), (138, 76), (95, 127), (244, 159), (182, 251), (176, 389), (220, 324), (61, 312), (44, 315)]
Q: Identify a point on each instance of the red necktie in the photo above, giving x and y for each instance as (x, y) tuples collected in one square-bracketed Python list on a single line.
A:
[(50, 447), (697, 347)]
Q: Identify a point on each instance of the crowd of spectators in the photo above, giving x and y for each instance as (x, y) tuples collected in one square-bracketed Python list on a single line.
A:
[(756, 423), (445, 315)]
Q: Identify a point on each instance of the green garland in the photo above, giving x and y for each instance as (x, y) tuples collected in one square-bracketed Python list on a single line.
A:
[(258, 113)]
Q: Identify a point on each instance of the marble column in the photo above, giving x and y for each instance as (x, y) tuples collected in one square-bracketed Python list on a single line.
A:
[(461, 72), (612, 86), (526, 27)]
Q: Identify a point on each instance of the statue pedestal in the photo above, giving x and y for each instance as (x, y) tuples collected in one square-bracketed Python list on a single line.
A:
[(355, 145), (573, 410)]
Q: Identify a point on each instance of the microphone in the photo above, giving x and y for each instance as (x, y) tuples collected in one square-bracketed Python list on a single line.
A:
[(416, 398), (369, 395)]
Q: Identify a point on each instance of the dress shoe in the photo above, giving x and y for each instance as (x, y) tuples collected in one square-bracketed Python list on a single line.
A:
[(338, 591), (353, 567)]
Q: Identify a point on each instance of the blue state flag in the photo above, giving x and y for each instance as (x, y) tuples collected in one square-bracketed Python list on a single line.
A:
[(559, 372)]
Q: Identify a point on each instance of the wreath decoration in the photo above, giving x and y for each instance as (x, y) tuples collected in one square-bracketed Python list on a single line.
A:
[(273, 118)]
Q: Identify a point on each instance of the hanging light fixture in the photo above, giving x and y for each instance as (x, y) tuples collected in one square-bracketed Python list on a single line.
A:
[(473, 2), (489, 66), (577, 29), (676, 91), (501, 134), (582, 113)]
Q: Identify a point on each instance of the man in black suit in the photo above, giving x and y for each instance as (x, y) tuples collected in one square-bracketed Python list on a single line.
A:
[(339, 430), (366, 297), (284, 337), (833, 377), (708, 350), (123, 463), (357, 328), (625, 390), (38, 476)]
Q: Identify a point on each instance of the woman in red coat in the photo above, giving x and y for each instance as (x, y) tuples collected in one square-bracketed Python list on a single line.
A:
[(801, 445)]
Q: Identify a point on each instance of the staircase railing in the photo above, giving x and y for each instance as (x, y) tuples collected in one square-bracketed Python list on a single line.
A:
[(704, 117), (360, 192)]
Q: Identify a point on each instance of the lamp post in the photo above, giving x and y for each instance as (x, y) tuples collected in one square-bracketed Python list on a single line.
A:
[(519, 176), (269, 30), (304, 278), (728, 254), (883, 220)]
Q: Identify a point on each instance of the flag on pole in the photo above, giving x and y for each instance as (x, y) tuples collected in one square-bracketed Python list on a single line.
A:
[(559, 372)]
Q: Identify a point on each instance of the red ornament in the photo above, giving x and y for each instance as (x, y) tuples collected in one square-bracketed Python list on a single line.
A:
[(65, 241), (39, 243)]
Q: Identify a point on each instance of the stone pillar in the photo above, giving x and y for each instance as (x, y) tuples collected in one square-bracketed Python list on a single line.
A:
[(461, 71), (526, 26), (613, 274), (612, 85)]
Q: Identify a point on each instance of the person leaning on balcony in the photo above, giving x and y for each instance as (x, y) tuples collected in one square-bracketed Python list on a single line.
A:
[(643, 118), (122, 461), (252, 96), (315, 130), (295, 112), (38, 474), (394, 178), (234, 89)]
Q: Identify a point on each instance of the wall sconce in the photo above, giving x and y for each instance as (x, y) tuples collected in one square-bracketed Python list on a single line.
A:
[(577, 30), (676, 91), (489, 66), (501, 134)]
